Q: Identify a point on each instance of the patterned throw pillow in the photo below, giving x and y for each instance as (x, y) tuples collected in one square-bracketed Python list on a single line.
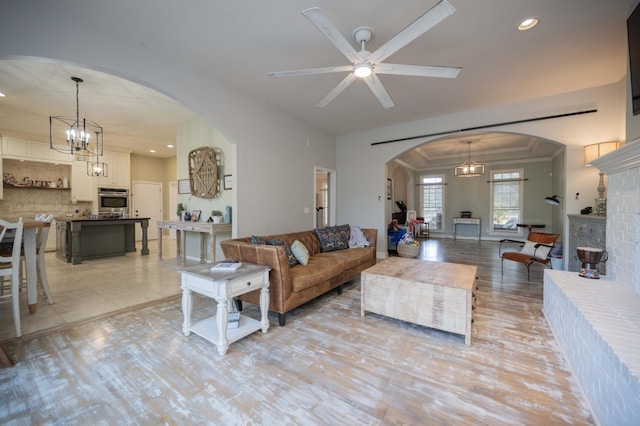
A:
[(333, 237), (300, 252), (257, 240), (287, 250)]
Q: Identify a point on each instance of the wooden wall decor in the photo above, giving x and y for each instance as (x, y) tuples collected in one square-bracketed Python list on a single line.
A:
[(203, 172)]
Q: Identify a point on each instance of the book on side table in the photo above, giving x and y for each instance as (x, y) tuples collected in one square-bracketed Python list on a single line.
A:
[(226, 266)]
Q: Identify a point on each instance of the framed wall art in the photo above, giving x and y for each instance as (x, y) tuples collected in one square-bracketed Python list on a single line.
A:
[(228, 181), (183, 186)]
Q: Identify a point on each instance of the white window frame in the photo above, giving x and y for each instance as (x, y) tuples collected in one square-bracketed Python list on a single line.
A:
[(422, 206), (517, 231)]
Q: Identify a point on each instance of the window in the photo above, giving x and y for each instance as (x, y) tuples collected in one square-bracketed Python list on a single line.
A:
[(433, 200), (506, 200)]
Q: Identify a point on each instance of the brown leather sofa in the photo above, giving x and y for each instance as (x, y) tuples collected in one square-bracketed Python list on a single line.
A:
[(290, 287)]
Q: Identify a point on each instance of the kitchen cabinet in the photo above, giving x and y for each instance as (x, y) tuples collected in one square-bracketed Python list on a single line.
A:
[(82, 188), (119, 174), (21, 149)]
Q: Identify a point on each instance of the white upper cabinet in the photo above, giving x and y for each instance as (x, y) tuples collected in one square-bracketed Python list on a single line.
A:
[(82, 188), (119, 172)]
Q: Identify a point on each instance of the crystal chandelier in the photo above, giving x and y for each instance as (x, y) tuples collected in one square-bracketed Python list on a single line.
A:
[(469, 168), (72, 135)]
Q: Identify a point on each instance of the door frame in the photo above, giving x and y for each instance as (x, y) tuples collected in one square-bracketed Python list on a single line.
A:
[(331, 179)]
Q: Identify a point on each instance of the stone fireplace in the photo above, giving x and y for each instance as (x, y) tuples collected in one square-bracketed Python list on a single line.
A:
[(596, 323), (622, 167)]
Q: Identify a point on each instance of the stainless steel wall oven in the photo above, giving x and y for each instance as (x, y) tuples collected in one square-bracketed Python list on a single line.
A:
[(113, 200)]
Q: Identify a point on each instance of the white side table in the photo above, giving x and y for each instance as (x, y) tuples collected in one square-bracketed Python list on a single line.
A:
[(465, 221), (223, 287)]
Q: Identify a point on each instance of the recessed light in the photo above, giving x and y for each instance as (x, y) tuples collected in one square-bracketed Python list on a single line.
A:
[(152, 150), (169, 146), (2, 95), (527, 24)]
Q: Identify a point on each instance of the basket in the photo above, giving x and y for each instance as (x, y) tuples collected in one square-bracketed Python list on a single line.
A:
[(405, 250)]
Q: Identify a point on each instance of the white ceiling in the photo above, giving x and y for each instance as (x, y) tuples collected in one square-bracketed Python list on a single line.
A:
[(577, 44)]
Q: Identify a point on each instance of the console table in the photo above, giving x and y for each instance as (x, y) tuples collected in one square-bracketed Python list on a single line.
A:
[(202, 228), (465, 221)]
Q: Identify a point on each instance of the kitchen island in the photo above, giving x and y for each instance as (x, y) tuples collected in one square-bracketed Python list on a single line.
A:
[(85, 238)]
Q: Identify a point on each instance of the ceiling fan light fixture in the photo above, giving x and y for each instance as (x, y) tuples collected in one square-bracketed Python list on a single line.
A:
[(362, 70), (528, 23)]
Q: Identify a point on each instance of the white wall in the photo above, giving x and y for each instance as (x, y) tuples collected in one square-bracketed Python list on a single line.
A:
[(361, 190), (274, 165)]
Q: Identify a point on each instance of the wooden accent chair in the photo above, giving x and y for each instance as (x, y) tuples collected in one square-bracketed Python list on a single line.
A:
[(537, 248), (10, 266)]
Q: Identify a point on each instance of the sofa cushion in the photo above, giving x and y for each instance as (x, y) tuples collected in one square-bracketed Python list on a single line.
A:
[(319, 269), (291, 259), (300, 252), (333, 237)]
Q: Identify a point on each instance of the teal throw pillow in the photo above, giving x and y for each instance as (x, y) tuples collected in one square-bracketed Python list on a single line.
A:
[(300, 252)]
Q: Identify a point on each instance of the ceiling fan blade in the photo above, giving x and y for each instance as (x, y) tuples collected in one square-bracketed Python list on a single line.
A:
[(322, 23), (311, 71), (432, 17), (417, 70), (378, 89), (337, 90)]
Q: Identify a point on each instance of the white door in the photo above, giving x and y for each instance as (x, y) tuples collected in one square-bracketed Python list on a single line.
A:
[(146, 201), (325, 199)]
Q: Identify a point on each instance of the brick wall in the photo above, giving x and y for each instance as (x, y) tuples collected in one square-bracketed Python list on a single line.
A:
[(595, 325), (623, 212)]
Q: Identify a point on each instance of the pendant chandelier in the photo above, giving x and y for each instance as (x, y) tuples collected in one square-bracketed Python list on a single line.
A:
[(97, 168), (73, 135), (469, 168)]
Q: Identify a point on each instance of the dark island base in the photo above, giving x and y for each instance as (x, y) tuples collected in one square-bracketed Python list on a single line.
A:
[(86, 239)]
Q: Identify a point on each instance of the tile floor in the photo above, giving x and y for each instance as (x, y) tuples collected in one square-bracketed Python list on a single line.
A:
[(97, 287)]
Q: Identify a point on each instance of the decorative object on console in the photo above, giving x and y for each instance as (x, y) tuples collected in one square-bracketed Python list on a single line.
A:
[(195, 216), (181, 208), (216, 216), (469, 168), (203, 172), (593, 152), (78, 143)]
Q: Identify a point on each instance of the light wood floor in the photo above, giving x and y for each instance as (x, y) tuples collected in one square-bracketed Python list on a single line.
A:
[(328, 365)]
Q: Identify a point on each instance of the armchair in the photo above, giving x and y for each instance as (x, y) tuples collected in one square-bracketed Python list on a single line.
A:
[(536, 249)]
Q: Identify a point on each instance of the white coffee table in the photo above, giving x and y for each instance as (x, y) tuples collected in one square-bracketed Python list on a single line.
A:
[(434, 294), (223, 287)]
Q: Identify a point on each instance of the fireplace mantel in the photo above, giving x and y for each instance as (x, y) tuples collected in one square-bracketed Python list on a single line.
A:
[(624, 158)]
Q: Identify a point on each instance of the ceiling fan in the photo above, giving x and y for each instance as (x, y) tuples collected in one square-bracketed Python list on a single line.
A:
[(367, 65)]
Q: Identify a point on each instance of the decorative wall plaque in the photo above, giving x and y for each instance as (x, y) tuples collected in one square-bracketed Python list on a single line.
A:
[(203, 172)]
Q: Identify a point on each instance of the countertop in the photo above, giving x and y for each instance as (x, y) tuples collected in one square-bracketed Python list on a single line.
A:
[(98, 219)]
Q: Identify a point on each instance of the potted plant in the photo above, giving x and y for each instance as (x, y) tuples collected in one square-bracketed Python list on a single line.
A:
[(180, 210), (217, 216)]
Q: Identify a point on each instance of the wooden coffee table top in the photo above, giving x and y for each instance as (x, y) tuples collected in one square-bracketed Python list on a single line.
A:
[(426, 271)]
